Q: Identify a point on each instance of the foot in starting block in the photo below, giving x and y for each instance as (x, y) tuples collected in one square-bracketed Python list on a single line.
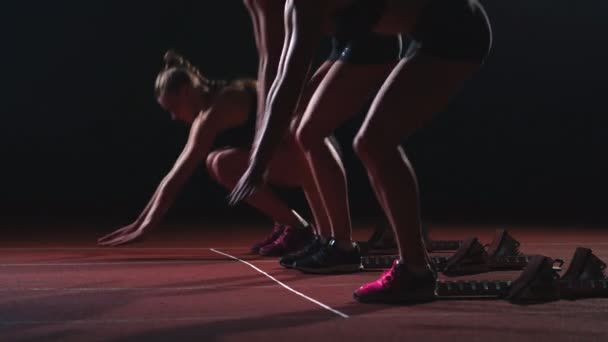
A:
[(471, 258), (539, 281)]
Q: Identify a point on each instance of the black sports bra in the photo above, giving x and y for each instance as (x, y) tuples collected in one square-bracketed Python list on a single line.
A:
[(242, 135)]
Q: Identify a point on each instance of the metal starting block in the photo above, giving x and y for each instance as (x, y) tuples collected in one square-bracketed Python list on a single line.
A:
[(585, 277), (575, 289), (443, 245), (473, 289), (538, 282), (383, 241), (381, 262), (470, 258)]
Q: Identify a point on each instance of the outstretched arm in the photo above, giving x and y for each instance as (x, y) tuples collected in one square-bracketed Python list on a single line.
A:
[(200, 140)]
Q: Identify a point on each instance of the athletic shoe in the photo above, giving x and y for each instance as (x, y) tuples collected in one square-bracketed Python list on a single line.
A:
[(291, 240), (314, 245), (276, 232), (331, 259), (399, 285)]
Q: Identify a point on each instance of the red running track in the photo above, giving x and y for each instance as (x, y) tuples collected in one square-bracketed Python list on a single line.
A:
[(184, 284)]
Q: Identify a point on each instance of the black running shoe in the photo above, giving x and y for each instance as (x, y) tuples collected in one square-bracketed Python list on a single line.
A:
[(314, 246), (330, 259)]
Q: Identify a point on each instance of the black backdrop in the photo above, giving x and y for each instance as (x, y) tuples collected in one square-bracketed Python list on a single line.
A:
[(82, 135)]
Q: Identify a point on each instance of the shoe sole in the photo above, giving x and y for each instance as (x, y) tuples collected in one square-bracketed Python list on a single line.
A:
[(286, 265), (290, 265)]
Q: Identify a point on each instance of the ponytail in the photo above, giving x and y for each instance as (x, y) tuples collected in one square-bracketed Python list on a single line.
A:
[(178, 71)]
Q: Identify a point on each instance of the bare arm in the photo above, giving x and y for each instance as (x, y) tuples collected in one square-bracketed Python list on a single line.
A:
[(228, 111), (303, 19), (269, 33), (203, 132)]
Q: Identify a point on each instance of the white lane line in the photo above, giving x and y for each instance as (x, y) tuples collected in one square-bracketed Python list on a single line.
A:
[(326, 307)]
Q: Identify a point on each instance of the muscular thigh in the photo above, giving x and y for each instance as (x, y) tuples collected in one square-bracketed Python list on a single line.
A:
[(415, 90), (342, 94), (230, 159), (308, 91), (288, 166)]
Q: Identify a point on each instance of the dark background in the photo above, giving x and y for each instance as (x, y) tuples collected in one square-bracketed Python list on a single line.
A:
[(82, 136)]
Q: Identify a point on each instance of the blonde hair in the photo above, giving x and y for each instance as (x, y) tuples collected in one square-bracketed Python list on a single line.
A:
[(178, 71)]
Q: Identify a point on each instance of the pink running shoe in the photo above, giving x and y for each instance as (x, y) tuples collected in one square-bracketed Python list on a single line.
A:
[(291, 240), (276, 232), (399, 285)]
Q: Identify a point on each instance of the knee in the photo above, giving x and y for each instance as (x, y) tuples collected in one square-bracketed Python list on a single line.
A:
[(361, 146), (212, 164), (368, 147), (307, 138)]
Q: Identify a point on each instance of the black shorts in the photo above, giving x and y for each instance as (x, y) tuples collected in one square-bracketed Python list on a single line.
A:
[(370, 48), (454, 30)]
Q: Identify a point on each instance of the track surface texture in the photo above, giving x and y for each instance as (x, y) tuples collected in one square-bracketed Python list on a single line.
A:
[(199, 283)]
